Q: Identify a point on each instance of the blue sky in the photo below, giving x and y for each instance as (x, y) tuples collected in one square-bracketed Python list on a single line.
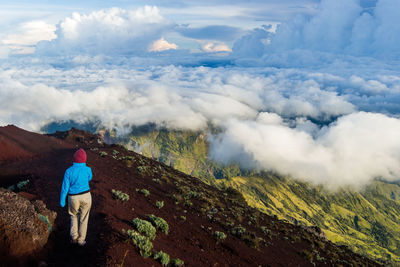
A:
[(238, 16)]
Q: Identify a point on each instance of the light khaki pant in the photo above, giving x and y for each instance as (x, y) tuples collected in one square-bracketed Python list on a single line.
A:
[(78, 209)]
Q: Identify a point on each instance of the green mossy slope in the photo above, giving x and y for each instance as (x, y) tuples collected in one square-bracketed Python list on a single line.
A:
[(367, 221)]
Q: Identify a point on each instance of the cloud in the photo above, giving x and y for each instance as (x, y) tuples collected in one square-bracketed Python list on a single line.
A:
[(112, 31), (353, 151), (321, 38), (317, 99), (28, 35), (215, 47), (162, 45)]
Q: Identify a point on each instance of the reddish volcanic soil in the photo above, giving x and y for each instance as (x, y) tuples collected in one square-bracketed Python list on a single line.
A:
[(43, 159)]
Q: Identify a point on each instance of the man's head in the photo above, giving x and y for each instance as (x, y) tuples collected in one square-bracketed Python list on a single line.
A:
[(80, 156)]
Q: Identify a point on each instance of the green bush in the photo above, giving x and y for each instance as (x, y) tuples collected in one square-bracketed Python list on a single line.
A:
[(162, 257), (103, 153), (115, 152), (220, 235), (23, 184), (141, 242), (145, 227), (160, 204), (265, 230), (145, 192), (238, 231), (120, 195), (188, 203), (158, 222), (177, 262)]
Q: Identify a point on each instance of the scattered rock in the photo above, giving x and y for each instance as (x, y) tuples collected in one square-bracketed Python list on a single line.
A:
[(24, 226)]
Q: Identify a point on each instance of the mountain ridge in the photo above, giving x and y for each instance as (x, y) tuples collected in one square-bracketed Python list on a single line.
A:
[(196, 213), (345, 222)]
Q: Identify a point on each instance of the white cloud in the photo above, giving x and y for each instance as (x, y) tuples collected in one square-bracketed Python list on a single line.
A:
[(162, 45), (29, 34), (340, 29), (215, 47), (352, 151), (112, 31)]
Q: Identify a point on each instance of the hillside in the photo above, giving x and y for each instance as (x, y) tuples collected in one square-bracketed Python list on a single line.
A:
[(367, 221), (206, 226)]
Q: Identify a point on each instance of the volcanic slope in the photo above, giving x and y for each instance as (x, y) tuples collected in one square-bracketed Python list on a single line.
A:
[(197, 214)]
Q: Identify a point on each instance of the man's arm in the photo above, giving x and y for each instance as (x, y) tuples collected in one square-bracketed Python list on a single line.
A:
[(64, 189), (90, 174)]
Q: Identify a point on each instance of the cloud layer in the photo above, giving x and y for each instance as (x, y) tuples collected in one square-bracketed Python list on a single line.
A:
[(318, 99), (351, 151)]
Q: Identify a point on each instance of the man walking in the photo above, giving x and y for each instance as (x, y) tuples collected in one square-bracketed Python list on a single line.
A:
[(76, 186)]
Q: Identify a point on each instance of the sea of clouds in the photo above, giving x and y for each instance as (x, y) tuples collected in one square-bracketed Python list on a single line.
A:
[(316, 99)]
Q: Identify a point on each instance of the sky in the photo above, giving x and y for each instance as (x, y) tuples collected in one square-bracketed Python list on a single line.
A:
[(309, 89)]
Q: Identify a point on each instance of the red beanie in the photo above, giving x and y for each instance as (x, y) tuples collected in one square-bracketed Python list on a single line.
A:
[(80, 156)]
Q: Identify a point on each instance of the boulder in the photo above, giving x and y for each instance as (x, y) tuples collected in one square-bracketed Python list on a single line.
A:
[(25, 226)]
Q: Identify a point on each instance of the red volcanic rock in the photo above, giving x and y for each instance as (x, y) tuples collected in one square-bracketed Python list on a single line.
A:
[(23, 226)]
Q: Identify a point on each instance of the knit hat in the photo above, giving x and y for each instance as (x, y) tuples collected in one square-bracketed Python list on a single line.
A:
[(80, 156)]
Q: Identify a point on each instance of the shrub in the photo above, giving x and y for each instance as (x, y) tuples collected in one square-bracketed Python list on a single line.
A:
[(162, 257), (188, 203), (177, 262), (160, 204), (141, 242), (156, 180), (183, 218), (158, 222), (145, 192), (120, 195), (103, 153), (23, 184), (115, 152), (238, 231), (220, 235), (141, 169), (265, 230), (145, 227)]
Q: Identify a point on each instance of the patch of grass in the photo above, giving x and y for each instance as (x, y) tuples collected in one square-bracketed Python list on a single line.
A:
[(160, 204), (265, 230), (220, 235), (188, 203), (23, 184), (156, 180), (141, 242), (103, 153), (120, 195), (141, 169), (177, 262), (162, 257), (158, 222), (145, 227), (145, 192), (183, 218), (238, 231), (115, 152)]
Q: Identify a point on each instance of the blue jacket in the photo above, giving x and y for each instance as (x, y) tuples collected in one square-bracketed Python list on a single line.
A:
[(76, 180)]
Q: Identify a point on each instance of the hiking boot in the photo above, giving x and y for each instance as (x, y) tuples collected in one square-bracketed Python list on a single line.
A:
[(74, 241)]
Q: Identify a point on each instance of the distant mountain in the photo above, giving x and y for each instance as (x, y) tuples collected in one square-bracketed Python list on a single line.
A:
[(367, 221), (146, 213)]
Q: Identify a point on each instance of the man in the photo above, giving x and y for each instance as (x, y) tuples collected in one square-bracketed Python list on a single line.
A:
[(76, 186)]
